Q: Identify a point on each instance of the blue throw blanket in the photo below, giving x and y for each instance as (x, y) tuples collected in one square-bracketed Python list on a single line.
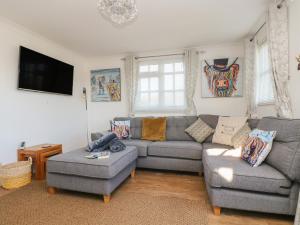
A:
[(106, 142)]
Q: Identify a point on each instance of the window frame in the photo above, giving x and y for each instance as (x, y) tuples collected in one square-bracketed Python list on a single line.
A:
[(160, 74)]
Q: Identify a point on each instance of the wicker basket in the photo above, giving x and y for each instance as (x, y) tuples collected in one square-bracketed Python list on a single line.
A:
[(15, 175)]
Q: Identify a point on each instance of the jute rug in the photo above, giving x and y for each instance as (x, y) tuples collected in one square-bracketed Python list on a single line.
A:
[(33, 206)]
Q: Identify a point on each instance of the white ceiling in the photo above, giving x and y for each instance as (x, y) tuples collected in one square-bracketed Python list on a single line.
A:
[(160, 25)]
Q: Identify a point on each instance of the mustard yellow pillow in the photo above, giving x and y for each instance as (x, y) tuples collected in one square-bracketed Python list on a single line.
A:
[(154, 129)]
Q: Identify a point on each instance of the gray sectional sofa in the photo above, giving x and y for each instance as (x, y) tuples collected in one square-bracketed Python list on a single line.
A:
[(231, 182)]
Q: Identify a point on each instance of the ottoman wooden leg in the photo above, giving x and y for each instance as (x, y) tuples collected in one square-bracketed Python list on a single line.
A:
[(51, 190), (132, 174), (217, 210), (106, 198)]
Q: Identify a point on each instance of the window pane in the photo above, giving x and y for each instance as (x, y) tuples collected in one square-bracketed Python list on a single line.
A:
[(168, 82), (144, 99), (154, 98), (154, 83), (178, 67), (144, 84), (179, 98), (265, 92), (169, 98), (179, 82), (144, 69), (153, 68), (168, 68)]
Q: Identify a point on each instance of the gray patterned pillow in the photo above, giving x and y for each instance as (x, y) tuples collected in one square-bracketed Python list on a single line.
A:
[(240, 138), (199, 130)]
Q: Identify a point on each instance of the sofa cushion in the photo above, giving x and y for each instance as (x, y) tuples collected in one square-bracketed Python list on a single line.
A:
[(176, 149), (227, 127), (258, 146), (286, 158), (74, 163), (135, 126), (285, 154), (154, 129), (141, 145), (223, 168), (176, 126), (199, 130), (240, 138), (212, 121)]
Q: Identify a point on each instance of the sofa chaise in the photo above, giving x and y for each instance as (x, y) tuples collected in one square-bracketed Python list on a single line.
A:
[(231, 182)]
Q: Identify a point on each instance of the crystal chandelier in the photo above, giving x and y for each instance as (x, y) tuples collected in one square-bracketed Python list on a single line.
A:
[(118, 11)]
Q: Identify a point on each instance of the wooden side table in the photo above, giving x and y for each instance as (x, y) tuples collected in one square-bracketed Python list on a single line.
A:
[(39, 154)]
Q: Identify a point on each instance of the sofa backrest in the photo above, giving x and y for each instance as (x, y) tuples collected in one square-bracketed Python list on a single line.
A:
[(176, 126), (285, 153)]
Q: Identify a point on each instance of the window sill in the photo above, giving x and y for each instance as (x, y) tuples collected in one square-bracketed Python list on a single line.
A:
[(266, 104)]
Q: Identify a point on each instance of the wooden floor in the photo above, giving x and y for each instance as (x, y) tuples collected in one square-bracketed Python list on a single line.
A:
[(192, 187)]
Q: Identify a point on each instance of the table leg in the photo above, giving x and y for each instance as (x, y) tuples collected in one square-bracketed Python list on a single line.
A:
[(39, 168), (21, 157)]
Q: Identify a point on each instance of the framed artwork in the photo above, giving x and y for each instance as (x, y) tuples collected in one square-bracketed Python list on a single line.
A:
[(222, 78), (106, 85), (298, 59)]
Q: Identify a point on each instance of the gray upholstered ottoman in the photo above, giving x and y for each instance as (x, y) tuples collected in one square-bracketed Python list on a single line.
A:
[(72, 171)]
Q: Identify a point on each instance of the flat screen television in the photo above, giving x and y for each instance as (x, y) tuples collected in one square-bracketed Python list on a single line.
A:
[(38, 72)]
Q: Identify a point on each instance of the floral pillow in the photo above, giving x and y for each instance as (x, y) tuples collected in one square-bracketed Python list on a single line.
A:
[(121, 128), (258, 146)]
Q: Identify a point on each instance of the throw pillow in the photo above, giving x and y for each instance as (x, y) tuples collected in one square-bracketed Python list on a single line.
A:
[(121, 128), (258, 146), (199, 130), (239, 139), (154, 129), (227, 127)]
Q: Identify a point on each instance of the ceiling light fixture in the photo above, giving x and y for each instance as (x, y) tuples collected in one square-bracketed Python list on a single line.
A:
[(118, 11)]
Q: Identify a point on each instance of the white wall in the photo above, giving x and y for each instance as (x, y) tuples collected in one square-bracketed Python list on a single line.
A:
[(37, 117), (101, 113)]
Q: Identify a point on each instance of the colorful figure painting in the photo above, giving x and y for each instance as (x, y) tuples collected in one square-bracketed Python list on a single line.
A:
[(222, 78), (106, 85)]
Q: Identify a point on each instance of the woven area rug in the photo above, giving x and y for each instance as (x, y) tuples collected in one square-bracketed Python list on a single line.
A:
[(33, 206)]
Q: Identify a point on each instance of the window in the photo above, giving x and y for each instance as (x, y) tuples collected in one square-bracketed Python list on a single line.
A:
[(161, 86), (265, 93)]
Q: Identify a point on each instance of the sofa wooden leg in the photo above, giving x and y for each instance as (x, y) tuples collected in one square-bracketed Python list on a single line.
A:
[(51, 190), (217, 210), (106, 198), (132, 173)]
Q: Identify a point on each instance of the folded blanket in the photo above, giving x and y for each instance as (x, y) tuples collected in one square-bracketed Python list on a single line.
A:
[(116, 145), (102, 143)]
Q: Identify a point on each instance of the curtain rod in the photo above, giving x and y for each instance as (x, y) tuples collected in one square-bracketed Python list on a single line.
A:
[(279, 6), (261, 27), (154, 56)]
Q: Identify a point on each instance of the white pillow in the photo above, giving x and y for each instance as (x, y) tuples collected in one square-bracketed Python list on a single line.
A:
[(227, 127)]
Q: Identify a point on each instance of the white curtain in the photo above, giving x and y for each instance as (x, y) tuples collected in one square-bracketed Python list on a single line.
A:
[(278, 39), (192, 68), (131, 82), (251, 76)]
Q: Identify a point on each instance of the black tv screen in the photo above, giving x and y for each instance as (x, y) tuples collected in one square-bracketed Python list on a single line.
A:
[(39, 72)]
